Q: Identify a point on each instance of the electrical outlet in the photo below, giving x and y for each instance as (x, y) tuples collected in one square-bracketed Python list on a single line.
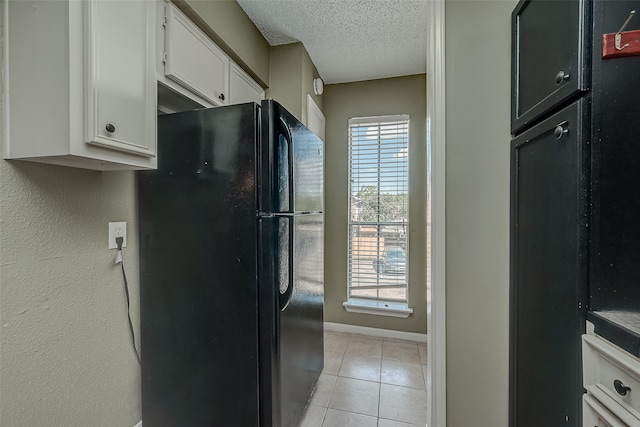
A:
[(117, 229)]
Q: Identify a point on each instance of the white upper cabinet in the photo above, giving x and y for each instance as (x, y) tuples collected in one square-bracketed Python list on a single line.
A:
[(315, 119), (193, 60), (192, 70), (120, 74), (242, 88), (80, 86)]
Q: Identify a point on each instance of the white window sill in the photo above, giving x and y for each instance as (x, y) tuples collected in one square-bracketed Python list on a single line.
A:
[(380, 308)]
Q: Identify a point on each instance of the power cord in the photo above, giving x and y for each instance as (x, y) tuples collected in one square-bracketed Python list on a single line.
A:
[(119, 241)]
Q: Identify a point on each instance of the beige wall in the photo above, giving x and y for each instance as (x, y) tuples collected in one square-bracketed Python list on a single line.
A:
[(309, 72), (231, 29), (292, 74), (477, 209), (401, 95), (65, 348), (65, 351), (286, 77)]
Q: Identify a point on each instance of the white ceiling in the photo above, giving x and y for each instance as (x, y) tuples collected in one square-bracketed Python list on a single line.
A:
[(348, 40)]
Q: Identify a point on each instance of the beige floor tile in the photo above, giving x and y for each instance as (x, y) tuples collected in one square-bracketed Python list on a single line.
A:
[(357, 396), (360, 345), (322, 392), (403, 404), (402, 374), (335, 341), (389, 423), (348, 419), (367, 377), (313, 417), (401, 351), (362, 368), (422, 349), (332, 362)]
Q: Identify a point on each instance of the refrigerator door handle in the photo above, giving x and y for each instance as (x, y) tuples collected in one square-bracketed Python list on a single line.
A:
[(285, 297), (286, 133)]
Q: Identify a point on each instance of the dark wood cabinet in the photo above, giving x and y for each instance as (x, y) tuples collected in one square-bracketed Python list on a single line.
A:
[(548, 269), (550, 41), (614, 286), (550, 154), (575, 199)]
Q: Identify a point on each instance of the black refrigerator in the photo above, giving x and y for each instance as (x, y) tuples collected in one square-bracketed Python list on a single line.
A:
[(231, 268)]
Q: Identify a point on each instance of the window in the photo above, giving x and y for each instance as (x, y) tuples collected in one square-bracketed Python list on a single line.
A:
[(378, 209)]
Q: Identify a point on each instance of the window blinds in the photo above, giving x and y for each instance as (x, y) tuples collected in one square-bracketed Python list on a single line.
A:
[(378, 208)]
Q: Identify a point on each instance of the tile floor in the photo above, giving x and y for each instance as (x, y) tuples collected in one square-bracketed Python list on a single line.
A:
[(369, 382)]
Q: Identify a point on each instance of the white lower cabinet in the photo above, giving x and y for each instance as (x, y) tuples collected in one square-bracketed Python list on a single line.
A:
[(611, 377), (594, 414), (80, 86)]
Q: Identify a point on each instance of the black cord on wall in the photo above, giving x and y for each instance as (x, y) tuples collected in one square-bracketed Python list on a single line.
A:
[(119, 241)]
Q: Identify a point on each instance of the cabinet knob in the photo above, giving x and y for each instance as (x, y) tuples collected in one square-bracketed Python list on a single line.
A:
[(110, 128), (561, 77), (560, 130), (221, 97), (621, 388)]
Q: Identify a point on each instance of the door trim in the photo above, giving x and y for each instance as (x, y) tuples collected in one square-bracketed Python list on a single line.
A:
[(436, 280)]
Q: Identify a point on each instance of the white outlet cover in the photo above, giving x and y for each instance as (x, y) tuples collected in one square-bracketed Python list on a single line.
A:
[(117, 229)]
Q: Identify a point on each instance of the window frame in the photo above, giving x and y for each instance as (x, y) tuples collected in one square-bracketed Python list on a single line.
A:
[(390, 306)]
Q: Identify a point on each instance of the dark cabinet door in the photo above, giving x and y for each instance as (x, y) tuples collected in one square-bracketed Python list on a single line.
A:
[(548, 207), (549, 59)]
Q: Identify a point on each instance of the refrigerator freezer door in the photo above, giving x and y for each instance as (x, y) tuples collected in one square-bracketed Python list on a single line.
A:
[(293, 161), (291, 315), (308, 162)]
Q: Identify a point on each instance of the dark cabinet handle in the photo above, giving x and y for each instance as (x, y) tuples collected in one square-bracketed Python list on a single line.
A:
[(110, 128), (621, 388), (221, 97), (560, 130), (561, 77)]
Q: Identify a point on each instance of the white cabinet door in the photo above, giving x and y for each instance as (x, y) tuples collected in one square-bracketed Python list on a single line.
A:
[(315, 118), (242, 88), (193, 60), (80, 87), (120, 73)]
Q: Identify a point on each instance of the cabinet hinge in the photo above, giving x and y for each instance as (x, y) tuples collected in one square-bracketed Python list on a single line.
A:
[(164, 18), (164, 57)]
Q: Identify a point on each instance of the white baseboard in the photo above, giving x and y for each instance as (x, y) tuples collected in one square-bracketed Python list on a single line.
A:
[(139, 424), (375, 332)]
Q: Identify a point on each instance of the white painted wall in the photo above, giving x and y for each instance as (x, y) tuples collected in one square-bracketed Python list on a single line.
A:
[(477, 211)]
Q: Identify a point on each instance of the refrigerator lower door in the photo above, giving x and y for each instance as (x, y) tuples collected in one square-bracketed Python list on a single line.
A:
[(291, 307), (198, 304)]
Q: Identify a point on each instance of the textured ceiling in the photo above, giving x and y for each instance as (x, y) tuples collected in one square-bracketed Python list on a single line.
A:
[(348, 40)]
